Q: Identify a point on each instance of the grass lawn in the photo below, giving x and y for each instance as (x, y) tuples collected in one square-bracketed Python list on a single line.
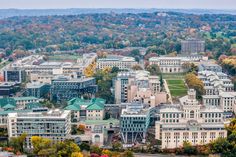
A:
[(177, 87), (63, 57), (173, 76)]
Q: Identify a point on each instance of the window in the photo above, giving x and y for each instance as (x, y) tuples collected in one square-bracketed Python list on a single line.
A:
[(191, 114)]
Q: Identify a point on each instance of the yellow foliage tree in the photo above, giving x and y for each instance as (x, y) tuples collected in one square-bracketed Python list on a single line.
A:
[(76, 154)]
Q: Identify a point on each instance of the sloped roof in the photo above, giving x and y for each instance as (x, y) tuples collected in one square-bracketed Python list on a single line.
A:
[(8, 106), (93, 104), (6, 101)]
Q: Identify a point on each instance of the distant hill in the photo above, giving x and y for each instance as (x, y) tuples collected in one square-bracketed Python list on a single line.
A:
[(4, 13)]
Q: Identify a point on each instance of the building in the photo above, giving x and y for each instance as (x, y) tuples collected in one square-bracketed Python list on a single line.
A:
[(219, 90), (135, 85), (189, 121), (207, 66), (14, 75), (37, 89), (123, 63), (22, 102), (54, 125), (192, 46), (170, 64), (65, 88), (82, 109), (134, 122), (8, 89)]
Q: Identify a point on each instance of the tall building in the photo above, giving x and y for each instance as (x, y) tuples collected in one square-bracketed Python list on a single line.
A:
[(14, 75), (189, 121), (192, 46), (54, 124), (134, 122), (65, 88)]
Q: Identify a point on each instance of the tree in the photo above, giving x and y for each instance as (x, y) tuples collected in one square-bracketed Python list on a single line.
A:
[(66, 148), (18, 143), (76, 154), (41, 145), (161, 81), (128, 153), (189, 149), (194, 82), (116, 146), (95, 149), (137, 67), (154, 69), (84, 146)]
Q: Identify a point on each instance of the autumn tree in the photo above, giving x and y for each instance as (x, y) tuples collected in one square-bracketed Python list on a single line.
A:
[(137, 67), (18, 143), (194, 82)]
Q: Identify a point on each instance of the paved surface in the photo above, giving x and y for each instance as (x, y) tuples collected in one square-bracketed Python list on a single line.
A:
[(167, 91), (160, 155)]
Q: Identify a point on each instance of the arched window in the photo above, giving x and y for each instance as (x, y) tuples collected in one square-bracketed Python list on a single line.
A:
[(191, 114), (97, 139)]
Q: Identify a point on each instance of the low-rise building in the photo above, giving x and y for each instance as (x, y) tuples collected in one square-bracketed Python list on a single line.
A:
[(8, 89), (54, 124), (123, 63), (37, 89), (14, 75), (65, 88), (207, 66), (82, 109)]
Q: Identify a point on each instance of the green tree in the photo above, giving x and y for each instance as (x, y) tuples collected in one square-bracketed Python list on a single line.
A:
[(95, 149), (18, 143), (116, 146), (189, 149), (128, 153)]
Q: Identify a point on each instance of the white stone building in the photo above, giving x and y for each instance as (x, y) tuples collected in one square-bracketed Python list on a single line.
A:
[(123, 63), (189, 121)]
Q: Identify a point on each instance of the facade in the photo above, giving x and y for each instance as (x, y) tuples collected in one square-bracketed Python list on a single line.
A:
[(37, 89), (123, 63), (21, 102), (54, 124), (191, 46), (65, 88), (138, 85), (189, 121), (170, 64), (86, 109), (219, 90), (206, 66), (14, 75), (8, 89), (134, 122)]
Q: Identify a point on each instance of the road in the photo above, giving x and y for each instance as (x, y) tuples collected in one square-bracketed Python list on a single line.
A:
[(168, 91), (159, 155)]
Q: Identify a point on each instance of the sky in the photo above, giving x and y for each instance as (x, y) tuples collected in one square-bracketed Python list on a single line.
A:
[(172, 4)]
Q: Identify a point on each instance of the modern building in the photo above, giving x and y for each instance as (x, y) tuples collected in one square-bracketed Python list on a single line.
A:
[(54, 124), (207, 66), (65, 88), (189, 121), (8, 89), (123, 63), (192, 46), (22, 102), (134, 123), (82, 109), (135, 85), (14, 75), (37, 89)]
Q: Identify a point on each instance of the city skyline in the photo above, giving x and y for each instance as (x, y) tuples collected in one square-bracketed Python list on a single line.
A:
[(168, 4)]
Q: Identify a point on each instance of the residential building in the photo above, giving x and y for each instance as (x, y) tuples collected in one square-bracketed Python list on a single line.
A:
[(192, 46), (65, 88), (189, 121), (54, 125), (134, 122), (37, 89), (82, 109), (14, 75), (123, 63)]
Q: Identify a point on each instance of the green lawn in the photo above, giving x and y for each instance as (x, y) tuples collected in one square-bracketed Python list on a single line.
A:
[(173, 76), (64, 57), (177, 87)]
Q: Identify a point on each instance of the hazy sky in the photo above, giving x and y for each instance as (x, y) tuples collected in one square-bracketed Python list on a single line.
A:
[(27, 4)]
